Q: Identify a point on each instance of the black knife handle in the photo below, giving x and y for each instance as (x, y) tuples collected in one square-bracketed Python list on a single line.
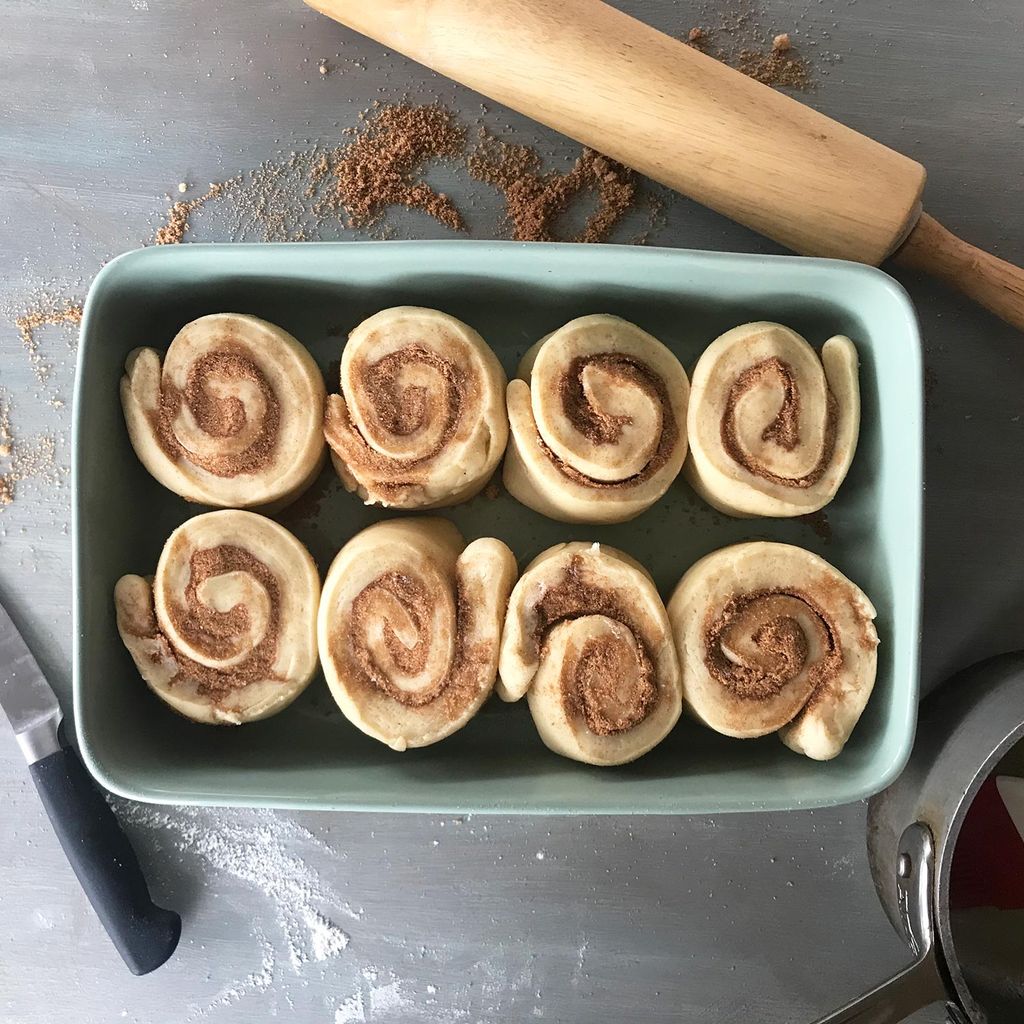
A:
[(145, 935)]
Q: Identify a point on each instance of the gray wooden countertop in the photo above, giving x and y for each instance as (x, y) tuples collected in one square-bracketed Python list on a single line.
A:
[(104, 107)]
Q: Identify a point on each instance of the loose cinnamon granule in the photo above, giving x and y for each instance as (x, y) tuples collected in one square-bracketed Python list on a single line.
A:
[(176, 224), (44, 315), (377, 168), (535, 200)]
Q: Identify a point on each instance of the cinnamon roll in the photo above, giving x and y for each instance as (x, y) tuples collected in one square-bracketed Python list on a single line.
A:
[(772, 427), (587, 640), (772, 638), (420, 421), (409, 627), (598, 422), (225, 632), (231, 415)]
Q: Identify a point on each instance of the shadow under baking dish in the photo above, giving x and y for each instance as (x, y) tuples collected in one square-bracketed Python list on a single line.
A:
[(513, 293)]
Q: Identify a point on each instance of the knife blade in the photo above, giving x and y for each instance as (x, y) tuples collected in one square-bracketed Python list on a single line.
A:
[(25, 695), (100, 854)]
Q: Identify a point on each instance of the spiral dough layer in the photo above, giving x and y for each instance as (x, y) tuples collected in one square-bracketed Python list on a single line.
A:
[(598, 422), (226, 630), (773, 428), (409, 628), (420, 421), (587, 640), (774, 639), (233, 415)]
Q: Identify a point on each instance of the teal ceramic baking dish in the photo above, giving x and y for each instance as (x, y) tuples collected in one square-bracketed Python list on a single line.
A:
[(309, 756)]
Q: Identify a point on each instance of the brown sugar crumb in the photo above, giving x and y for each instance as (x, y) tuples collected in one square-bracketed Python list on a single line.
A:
[(378, 168), (176, 222), (492, 491), (44, 315), (781, 43), (535, 200), (695, 35)]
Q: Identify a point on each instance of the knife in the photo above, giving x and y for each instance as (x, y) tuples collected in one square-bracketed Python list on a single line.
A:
[(103, 859)]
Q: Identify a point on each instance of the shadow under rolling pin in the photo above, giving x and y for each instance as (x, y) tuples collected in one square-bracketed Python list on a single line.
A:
[(693, 124)]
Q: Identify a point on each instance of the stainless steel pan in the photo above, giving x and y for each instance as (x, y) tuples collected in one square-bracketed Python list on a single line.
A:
[(964, 731)]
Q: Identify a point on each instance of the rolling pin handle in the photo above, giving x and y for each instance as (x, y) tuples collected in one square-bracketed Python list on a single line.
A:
[(988, 280)]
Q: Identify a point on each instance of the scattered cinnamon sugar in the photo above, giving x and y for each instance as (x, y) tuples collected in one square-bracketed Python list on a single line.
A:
[(44, 314), (176, 223), (776, 68), (378, 168), (290, 197), (492, 491), (535, 200), (6, 438), (29, 460), (738, 38)]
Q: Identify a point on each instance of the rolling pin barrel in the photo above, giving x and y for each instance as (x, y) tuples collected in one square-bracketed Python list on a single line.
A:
[(689, 122)]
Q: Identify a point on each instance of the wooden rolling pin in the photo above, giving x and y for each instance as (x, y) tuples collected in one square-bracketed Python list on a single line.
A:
[(692, 123)]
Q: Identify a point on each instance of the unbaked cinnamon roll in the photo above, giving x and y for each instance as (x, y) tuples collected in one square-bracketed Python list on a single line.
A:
[(598, 422), (587, 640), (420, 421), (409, 628), (230, 416), (772, 638), (772, 427), (225, 632)]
